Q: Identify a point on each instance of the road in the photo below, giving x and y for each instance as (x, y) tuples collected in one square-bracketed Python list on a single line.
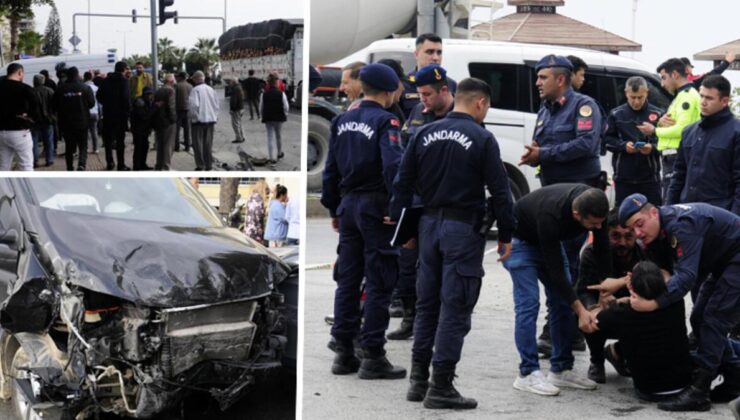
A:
[(486, 372)]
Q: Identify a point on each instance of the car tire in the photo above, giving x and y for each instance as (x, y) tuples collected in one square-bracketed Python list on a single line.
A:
[(319, 130)]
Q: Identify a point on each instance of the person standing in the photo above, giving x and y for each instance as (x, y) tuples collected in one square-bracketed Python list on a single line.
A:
[(73, 101), (428, 51), (164, 122), (274, 108), (94, 112), (276, 229), (252, 89), (697, 79), (43, 128), (364, 153), (139, 81), (635, 156), (142, 113), (113, 96), (236, 109), (203, 107), (293, 216), (254, 225), (18, 113), (182, 95), (351, 85), (450, 163)]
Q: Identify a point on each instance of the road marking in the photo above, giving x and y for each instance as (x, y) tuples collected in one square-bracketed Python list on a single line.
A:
[(319, 266)]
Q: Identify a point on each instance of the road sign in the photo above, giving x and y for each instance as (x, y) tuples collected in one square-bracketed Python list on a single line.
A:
[(75, 40)]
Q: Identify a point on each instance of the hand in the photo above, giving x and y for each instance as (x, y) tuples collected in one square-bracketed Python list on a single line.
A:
[(531, 155), (335, 224), (504, 250), (606, 301), (641, 304), (730, 57), (610, 286), (387, 221), (630, 148), (646, 128), (410, 244), (646, 149), (587, 322), (666, 121)]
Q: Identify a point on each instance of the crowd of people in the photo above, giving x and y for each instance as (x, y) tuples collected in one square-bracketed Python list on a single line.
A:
[(405, 183), (276, 223)]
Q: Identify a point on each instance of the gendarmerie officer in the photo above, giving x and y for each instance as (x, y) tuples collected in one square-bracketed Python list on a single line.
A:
[(364, 153), (428, 51), (436, 103), (449, 163), (635, 156), (702, 240), (567, 134)]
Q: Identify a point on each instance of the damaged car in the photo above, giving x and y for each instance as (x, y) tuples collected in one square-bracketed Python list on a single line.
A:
[(126, 295)]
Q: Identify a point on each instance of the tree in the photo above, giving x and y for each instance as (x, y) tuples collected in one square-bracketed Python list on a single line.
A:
[(17, 11), (144, 59), (735, 104), (30, 43), (203, 55), (227, 196), (166, 54), (53, 34)]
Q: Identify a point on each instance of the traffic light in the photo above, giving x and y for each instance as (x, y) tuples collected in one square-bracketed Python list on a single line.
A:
[(133, 15), (163, 14)]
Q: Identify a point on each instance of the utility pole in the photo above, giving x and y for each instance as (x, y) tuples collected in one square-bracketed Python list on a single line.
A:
[(634, 23), (89, 37), (153, 7)]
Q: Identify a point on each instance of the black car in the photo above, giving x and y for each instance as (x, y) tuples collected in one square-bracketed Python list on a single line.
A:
[(125, 295)]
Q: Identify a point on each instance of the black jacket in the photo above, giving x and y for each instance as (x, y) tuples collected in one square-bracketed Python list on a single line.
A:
[(18, 106), (45, 98), (72, 102), (142, 114), (113, 95), (236, 100), (272, 106), (633, 168)]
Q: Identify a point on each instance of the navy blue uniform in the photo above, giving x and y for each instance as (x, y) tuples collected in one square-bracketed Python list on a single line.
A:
[(449, 163), (364, 153), (568, 132), (707, 167), (634, 173), (704, 240), (410, 97)]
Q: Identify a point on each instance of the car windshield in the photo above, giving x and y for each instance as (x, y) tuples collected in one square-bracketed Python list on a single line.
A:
[(164, 200)]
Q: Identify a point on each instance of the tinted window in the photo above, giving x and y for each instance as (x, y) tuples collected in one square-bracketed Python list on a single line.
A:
[(508, 85), (602, 89), (407, 59)]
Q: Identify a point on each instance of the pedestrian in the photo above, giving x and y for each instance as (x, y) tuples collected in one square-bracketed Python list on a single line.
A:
[(113, 96), (428, 51), (203, 107), (43, 128), (546, 218), (253, 88), (697, 79), (578, 79), (236, 109), (276, 229), (351, 85), (72, 102), (274, 108), (293, 216), (707, 166), (683, 111), (18, 113), (48, 82), (182, 95), (364, 153), (254, 225), (138, 81), (635, 156), (142, 113), (704, 243), (395, 109), (450, 237), (94, 112), (164, 122)]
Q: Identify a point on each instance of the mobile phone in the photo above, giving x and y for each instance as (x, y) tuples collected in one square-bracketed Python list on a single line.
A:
[(640, 144)]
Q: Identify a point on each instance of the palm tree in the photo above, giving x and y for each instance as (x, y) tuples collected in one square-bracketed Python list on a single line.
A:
[(30, 42), (205, 51), (16, 11), (165, 48)]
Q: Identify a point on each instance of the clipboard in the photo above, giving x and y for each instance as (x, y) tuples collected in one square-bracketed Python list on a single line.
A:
[(407, 226)]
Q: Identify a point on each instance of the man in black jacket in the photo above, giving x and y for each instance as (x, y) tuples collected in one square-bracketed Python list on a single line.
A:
[(43, 128), (252, 88), (236, 110), (113, 95), (142, 114), (18, 112), (697, 79), (72, 102)]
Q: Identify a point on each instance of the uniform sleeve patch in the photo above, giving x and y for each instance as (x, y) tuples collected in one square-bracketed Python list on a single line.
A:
[(393, 137), (585, 111), (653, 117), (395, 122), (585, 124), (685, 106)]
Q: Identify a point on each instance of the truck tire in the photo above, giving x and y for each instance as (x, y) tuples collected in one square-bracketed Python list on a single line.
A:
[(319, 130)]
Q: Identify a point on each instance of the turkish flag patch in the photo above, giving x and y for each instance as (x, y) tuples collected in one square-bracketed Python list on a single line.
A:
[(585, 124), (393, 138), (679, 251), (653, 117), (395, 122)]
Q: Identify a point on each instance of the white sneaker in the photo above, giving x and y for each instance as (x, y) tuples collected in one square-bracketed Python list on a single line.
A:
[(568, 379), (536, 383)]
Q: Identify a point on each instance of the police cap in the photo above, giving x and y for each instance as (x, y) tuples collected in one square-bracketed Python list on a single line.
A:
[(432, 73), (379, 76), (631, 205), (553, 61)]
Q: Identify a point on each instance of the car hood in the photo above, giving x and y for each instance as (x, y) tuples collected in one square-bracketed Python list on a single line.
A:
[(157, 265)]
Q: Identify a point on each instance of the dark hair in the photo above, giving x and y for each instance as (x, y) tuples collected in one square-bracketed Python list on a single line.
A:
[(719, 82), (251, 72), (13, 68), (280, 191), (635, 83), (182, 75), (592, 202), (45, 73), (686, 61), (612, 220), (354, 69), (137, 63), (395, 65), (428, 37), (369, 90), (647, 280), (557, 71), (671, 65), (472, 86), (87, 76), (577, 62), (121, 66), (73, 73)]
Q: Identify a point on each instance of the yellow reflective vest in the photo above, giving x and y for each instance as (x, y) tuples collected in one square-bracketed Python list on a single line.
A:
[(685, 111)]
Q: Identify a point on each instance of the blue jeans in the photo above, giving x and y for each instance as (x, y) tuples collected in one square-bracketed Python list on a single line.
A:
[(43, 134), (525, 266)]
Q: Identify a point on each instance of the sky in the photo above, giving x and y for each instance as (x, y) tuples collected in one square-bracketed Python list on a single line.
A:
[(110, 32)]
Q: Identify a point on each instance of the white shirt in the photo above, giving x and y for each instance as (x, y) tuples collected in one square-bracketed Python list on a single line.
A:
[(94, 109), (203, 104), (293, 216)]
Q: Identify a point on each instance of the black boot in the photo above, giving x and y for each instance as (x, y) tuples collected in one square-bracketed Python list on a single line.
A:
[(406, 329), (396, 308), (375, 366), (442, 394), (597, 373), (730, 387), (419, 378), (735, 408), (345, 361), (694, 397)]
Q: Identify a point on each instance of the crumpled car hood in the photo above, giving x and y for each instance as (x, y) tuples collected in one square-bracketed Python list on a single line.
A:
[(156, 265)]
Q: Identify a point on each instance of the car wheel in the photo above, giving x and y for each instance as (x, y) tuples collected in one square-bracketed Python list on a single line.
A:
[(318, 148), (21, 405)]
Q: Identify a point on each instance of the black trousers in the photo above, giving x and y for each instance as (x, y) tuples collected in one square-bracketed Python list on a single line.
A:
[(114, 134), (75, 141), (141, 149)]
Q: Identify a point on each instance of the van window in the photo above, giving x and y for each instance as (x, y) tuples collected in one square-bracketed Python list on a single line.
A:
[(407, 59), (508, 85)]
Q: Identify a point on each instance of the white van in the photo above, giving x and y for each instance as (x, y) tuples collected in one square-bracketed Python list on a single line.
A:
[(509, 69), (84, 62)]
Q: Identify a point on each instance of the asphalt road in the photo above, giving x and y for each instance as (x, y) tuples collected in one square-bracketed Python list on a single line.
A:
[(486, 372)]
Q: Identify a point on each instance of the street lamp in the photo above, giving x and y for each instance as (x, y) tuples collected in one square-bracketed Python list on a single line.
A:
[(124, 42)]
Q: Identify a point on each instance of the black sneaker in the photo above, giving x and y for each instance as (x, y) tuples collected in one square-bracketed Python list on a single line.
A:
[(597, 373)]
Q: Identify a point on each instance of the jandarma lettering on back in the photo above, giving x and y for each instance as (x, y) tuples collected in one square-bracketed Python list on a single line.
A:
[(453, 135), (355, 126)]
